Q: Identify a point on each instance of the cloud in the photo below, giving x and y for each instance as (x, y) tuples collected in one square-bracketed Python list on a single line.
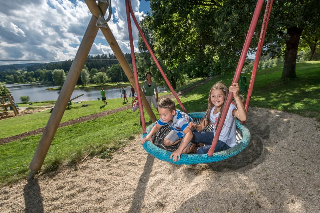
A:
[(52, 30)]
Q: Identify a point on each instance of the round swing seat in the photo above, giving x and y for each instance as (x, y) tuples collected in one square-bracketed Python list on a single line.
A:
[(243, 139)]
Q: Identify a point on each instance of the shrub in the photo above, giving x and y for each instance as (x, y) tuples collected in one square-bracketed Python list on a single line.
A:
[(24, 99), (4, 91)]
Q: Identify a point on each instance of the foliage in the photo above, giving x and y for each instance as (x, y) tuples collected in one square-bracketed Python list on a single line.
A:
[(58, 76), (100, 78), (85, 76), (116, 73), (193, 39), (4, 91), (288, 20), (24, 99)]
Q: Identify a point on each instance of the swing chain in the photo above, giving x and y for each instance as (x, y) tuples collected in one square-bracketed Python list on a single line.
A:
[(102, 22)]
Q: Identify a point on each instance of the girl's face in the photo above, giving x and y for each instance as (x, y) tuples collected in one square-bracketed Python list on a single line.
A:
[(217, 97)]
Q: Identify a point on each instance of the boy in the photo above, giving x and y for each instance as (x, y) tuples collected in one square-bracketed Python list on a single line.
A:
[(103, 96), (179, 124)]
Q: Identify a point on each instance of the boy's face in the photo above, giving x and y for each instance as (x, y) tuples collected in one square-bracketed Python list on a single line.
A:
[(166, 115)]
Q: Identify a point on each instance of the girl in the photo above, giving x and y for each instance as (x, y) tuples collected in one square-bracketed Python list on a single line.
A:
[(217, 98)]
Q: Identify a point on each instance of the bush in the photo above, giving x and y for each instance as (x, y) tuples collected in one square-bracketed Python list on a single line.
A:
[(24, 99), (4, 91)]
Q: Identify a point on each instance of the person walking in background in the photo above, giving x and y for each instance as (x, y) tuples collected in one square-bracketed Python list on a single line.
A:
[(150, 87), (132, 92), (124, 93), (103, 96)]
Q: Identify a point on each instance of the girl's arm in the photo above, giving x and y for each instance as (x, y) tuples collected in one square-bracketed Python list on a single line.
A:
[(240, 112)]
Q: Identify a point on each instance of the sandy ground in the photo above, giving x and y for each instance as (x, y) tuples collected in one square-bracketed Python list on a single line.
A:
[(278, 172)]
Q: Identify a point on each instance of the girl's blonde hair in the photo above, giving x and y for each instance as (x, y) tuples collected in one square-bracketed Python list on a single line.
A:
[(224, 88)]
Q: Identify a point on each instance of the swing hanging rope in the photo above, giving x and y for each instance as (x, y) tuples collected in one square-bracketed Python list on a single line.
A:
[(210, 157), (129, 8)]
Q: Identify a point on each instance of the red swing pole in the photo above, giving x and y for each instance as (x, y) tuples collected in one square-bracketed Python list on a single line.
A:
[(135, 68), (155, 59), (237, 74), (259, 50)]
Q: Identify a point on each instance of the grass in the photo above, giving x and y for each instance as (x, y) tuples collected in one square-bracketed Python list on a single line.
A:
[(300, 95), (70, 144), (8, 127), (102, 136)]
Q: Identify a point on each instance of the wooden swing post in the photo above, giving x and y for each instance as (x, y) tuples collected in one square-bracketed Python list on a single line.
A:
[(94, 9), (65, 94)]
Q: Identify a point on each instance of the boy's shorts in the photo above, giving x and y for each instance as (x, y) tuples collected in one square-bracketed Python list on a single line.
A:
[(172, 136), (103, 98)]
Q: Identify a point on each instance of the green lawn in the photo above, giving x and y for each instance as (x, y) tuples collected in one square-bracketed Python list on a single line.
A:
[(21, 124), (102, 136)]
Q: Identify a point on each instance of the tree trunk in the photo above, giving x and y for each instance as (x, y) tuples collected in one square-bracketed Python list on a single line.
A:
[(289, 68), (173, 82), (313, 51)]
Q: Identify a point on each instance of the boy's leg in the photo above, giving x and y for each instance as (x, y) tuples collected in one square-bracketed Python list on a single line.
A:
[(191, 148), (171, 139)]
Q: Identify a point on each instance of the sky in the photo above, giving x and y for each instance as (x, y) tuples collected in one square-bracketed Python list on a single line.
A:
[(51, 30)]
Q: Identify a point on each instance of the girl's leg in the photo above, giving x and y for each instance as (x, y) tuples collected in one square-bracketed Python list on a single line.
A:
[(221, 146), (202, 137)]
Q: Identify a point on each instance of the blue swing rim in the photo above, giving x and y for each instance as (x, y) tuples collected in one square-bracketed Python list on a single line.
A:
[(189, 159)]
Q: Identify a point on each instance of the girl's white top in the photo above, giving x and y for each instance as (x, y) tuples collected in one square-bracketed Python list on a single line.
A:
[(228, 132)]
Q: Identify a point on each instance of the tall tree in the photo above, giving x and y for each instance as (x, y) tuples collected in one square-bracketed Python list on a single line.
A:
[(85, 76), (288, 21), (58, 76), (100, 78)]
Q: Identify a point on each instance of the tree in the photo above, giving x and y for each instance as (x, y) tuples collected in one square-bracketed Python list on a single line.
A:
[(200, 38), (58, 76), (4, 91), (311, 36), (85, 76), (100, 78), (93, 72), (116, 74), (193, 39), (289, 19)]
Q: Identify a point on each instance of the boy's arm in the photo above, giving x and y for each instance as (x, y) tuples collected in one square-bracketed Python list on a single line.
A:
[(186, 140), (152, 132)]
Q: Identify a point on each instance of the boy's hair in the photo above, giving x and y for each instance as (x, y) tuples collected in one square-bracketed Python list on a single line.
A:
[(224, 88), (167, 103), (148, 72)]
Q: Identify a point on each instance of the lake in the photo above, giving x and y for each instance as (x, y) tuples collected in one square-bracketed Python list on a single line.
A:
[(38, 92)]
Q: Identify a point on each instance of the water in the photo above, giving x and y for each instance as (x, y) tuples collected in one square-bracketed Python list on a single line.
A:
[(38, 92)]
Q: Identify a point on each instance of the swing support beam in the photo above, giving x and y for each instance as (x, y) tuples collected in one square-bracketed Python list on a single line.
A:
[(72, 78)]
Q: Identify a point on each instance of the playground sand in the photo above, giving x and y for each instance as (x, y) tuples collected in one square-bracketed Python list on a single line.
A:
[(278, 172)]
